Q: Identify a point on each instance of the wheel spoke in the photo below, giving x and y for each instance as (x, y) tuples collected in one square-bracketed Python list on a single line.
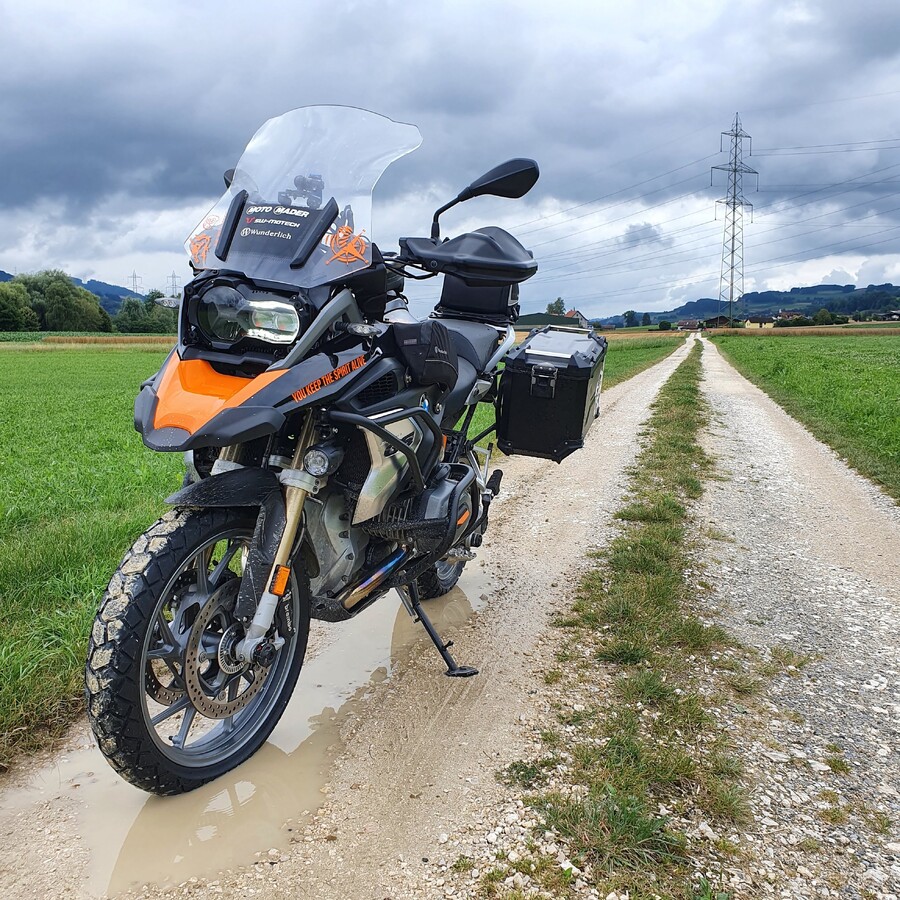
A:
[(222, 565), (176, 707), (181, 737), (201, 561), (171, 648), (228, 724)]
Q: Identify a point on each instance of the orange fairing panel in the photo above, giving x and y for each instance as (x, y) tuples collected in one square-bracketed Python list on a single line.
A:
[(191, 392)]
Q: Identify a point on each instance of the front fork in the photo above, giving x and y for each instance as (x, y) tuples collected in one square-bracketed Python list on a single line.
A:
[(298, 484)]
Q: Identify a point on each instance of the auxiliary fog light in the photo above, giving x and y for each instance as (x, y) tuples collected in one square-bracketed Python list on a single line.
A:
[(323, 459)]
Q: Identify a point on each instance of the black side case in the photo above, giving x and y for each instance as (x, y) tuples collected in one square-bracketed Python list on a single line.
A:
[(550, 392)]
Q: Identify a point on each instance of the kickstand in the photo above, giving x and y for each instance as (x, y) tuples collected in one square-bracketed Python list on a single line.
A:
[(409, 594)]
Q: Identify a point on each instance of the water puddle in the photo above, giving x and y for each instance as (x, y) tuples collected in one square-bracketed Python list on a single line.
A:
[(136, 839)]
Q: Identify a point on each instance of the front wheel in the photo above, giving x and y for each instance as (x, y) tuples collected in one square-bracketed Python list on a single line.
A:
[(170, 703)]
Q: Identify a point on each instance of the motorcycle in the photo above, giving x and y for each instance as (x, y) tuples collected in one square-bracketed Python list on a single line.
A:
[(326, 435)]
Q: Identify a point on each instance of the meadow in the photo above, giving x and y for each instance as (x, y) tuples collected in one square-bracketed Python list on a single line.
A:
[(77, 487), (844, 387)]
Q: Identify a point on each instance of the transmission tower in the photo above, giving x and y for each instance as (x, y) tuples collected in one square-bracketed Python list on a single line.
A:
[(731, 279), (172, 284), (136, 281)]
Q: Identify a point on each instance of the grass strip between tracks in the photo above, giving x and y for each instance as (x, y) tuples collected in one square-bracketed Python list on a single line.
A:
[(635, 760)]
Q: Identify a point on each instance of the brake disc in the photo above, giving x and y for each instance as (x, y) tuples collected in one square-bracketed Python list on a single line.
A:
[(168, 692), (203, 670)]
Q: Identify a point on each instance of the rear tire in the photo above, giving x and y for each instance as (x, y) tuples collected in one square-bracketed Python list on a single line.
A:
[(440, 579), (159, 653)]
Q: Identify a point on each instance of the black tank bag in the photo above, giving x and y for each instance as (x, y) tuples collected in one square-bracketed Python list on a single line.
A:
[(427, 350)]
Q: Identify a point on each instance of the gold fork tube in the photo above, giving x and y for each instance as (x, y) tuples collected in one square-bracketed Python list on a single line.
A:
[(294, 497)]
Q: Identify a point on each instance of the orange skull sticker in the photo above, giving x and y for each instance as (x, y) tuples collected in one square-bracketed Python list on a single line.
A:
[(347, 246)]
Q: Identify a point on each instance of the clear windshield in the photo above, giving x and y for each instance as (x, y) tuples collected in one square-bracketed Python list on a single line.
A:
[(299, 210)]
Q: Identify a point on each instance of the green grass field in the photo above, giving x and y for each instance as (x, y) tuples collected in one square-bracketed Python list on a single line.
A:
[(845, 388), (76, 488)]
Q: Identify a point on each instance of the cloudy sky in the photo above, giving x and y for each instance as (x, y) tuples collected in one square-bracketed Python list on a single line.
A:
[(118, 120)]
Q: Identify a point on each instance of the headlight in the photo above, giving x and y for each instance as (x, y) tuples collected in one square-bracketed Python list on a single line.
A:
[(226, 315)]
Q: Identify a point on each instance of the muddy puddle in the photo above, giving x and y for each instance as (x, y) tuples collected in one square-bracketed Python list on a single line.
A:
[(133, 839)]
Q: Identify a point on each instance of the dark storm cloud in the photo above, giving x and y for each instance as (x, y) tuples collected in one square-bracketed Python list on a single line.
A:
[(644, 234), (112, 112)]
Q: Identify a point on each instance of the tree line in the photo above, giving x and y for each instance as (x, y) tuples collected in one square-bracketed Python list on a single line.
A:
[(50, 301)]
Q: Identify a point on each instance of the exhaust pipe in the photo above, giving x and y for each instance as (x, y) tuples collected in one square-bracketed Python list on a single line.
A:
[(353, 596)]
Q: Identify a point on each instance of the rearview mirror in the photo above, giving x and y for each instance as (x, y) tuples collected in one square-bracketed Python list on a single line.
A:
[(513, 178)]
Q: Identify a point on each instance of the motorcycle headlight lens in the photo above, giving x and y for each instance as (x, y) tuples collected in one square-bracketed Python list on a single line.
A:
[(272, 320), (226, 315)]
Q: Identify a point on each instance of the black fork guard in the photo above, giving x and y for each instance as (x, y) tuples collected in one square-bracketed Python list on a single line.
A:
[(248, 486)]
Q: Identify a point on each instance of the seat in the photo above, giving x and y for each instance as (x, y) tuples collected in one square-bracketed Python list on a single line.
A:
[(474, 342), (455, 401)]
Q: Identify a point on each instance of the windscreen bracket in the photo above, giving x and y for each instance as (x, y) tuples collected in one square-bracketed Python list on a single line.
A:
[(316, 231), (231, 223)]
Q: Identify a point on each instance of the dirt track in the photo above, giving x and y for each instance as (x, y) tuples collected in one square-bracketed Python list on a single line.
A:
[(363, 787)]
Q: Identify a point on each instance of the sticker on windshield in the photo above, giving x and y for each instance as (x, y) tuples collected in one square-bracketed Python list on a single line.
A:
[(200, 244), (348, 247)]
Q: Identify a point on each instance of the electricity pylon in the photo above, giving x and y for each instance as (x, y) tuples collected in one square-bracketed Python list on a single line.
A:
[(731, 278), (172, 284)]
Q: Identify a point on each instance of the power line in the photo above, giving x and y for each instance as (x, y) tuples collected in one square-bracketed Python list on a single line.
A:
[(613, 194), (816, 152), (638, 212), (820, 146), (624, 267), (699, 278)]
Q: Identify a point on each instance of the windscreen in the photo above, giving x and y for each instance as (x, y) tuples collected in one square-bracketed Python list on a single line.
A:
[(299, 209)]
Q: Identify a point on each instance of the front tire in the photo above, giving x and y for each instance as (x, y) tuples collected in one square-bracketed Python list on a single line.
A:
[(170, 707)]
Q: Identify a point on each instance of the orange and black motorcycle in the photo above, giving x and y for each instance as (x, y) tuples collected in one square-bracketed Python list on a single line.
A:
[(326, 436)]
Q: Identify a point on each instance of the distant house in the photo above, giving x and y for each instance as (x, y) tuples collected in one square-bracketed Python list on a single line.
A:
[(760, 322), (579, 317), (689, 325), (716, 322), (790, 314)]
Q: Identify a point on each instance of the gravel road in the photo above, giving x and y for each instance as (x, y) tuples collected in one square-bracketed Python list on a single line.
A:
[(811, 568), (382, 771)]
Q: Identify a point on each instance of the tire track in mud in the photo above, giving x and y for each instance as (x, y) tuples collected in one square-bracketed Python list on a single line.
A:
[(397, 756)]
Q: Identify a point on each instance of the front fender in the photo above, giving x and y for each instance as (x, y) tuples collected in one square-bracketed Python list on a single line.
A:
[(238, 487), (245, 487)]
